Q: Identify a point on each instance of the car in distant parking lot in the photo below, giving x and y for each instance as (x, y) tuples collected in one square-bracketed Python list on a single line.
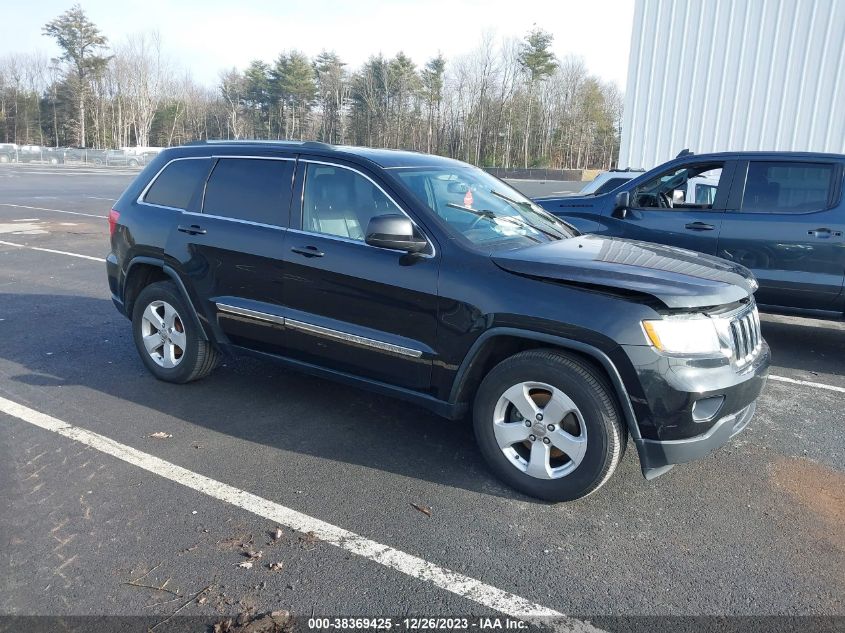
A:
[(425, 278), (781, 214), (8, 152)]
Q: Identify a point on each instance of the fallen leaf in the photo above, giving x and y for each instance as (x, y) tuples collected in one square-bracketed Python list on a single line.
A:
[(252, 554), (161, 435), (309, 538), (276, 534), (276, 566), (424, 509), (201, 600), (247, 564)]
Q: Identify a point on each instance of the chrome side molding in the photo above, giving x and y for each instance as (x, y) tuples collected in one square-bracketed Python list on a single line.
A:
[(318, 330)]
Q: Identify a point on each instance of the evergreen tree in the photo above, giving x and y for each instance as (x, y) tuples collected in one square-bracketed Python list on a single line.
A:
[(83, 49)]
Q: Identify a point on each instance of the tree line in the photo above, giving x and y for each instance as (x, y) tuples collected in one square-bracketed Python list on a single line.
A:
[(508, 103)]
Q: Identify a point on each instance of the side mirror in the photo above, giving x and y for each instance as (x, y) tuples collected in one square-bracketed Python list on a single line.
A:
[(394, 231), (620, 207)]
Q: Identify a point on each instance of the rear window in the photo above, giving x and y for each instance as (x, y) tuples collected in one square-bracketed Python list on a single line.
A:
[(783, 187), (255, 190), (175, 186)]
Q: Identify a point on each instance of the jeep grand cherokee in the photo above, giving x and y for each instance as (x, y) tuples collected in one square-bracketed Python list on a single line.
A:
[(425, 278)]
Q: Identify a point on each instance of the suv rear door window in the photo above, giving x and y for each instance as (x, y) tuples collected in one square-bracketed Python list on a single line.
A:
[(787, 187), (175, 186), (251, 189)]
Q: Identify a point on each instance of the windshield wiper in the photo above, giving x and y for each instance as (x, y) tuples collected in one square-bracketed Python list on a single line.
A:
[(530, 206), (484, 214), (489, 215)]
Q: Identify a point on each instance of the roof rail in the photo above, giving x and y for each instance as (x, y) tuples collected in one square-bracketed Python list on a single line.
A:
[(684, 152), (253, 141)]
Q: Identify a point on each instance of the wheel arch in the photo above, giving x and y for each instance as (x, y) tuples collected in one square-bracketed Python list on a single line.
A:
[(143, 271), (496, 344)]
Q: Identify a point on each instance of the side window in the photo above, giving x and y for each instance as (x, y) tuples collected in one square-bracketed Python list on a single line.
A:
[(341, 202), (688, 187), (251, 189), (176, 185), (781, 187)]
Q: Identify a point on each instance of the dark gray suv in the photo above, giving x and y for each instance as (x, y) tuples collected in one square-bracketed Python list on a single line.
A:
[(427, 279)]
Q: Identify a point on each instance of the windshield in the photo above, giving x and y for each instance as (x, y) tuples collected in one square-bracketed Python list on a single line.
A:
[(483, 209)]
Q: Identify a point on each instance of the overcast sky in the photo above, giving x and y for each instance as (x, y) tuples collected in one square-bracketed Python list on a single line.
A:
[(206, 36)]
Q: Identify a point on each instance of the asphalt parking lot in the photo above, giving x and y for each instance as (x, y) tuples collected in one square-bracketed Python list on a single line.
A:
[(96, 521)]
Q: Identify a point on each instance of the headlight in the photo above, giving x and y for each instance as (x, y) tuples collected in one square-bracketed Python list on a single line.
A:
[(684, 335)]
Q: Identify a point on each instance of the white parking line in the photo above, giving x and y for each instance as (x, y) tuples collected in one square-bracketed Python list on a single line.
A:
[(22, 206), (454, 582), (50, 250), (807, 383)]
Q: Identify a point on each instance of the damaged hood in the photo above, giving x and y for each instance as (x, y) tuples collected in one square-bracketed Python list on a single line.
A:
[(677, 277)]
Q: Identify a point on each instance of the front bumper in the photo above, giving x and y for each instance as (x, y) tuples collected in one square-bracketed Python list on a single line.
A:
[(657, 457), (672, 434)]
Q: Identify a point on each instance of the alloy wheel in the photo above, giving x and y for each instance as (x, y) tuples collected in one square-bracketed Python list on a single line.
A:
[(163, 334), (540, 430)]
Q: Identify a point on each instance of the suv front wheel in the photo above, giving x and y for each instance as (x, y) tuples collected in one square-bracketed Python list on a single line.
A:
[(548, 425), (166, 337)]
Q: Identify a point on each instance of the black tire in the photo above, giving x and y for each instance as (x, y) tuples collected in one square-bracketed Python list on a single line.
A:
[(605, 433), (197, 359), (132, 162)]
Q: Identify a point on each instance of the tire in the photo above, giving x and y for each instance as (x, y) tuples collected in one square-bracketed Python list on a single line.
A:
[(182, 355), (132, 163), (577, 411), (4, 158)]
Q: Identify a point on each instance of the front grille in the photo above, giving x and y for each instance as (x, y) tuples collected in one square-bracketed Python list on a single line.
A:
[(746, 340)]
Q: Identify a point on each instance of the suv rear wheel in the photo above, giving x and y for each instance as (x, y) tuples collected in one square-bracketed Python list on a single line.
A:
[(548, 425), (166, 336)]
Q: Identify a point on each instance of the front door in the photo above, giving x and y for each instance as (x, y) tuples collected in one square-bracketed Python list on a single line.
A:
[(787, 224), (231, 247), (352, 307), (682, 207)]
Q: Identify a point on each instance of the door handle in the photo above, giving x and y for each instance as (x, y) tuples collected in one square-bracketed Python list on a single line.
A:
[(194, 229), (699, 226), (307, 251), (824, 233)]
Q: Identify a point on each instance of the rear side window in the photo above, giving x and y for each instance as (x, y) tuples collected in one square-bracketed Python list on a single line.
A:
[(176, 185), (782, 187), (255, 190)]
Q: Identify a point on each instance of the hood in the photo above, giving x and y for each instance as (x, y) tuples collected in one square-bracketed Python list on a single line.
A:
[(677, 277)]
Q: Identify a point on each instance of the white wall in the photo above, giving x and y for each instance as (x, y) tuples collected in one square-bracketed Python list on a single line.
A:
[(722, 75)]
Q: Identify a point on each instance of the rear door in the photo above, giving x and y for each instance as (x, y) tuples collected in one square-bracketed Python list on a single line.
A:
[(666, 209), (353, 307), (229, 245), (787, 224)]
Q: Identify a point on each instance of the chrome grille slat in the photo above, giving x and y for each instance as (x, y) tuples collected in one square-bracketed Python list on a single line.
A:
[(746, 339)]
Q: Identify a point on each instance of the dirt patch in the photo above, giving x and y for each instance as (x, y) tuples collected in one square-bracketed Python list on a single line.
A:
[(819, 489)]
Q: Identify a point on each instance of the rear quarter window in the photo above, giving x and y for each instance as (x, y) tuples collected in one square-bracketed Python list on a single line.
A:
[(176, 184)]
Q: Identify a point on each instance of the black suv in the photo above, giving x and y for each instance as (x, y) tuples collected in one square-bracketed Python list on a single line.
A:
[(425, 278), (781, 214)]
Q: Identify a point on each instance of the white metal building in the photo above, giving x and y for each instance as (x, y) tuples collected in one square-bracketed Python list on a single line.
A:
[(722, 75)]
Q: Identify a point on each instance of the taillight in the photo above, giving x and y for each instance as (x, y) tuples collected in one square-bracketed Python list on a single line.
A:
[(114, 216)]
